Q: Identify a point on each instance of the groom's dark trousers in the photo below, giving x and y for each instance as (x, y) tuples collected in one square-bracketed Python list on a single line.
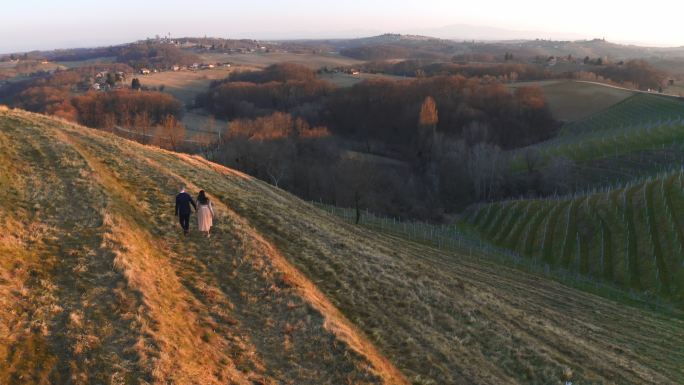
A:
[(183, 210)]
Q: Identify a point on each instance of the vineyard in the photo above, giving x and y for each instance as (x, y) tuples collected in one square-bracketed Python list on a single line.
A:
[(454, 239), (641, 136), (639, 109), (631, 236)]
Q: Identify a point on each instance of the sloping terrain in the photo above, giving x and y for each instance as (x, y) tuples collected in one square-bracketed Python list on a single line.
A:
[(638, 137), (638, 109), (571, 101), (98, 287), (631, 236)]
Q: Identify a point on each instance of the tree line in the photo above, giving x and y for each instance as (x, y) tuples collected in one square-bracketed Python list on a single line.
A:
[(147, 116), (418, 148)]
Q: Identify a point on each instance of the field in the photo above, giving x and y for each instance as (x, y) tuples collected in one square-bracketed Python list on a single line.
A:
[(642, 135), (82, 63), (571, 101), (97, 286), (637, 110), (9, 70), (347, 80), (676, 89), (185, 86), (260, 60)]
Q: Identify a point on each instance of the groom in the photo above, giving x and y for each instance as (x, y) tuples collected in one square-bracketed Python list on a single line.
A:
[(183, 202)]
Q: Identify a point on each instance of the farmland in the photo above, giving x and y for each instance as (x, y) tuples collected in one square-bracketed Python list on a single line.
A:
[(639, 136), (631, 236), (571, 101), (342, 79), (185, 86), (640, 109), (107, 290), (261, 60)]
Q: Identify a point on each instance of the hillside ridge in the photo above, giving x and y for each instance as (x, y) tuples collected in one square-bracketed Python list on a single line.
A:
[(187, 353), (97, 287)]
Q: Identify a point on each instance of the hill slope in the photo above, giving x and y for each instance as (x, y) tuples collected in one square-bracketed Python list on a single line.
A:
[(97, 288), (632, 236)]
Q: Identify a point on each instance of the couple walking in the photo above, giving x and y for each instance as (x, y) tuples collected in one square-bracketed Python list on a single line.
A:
[(204, 209)]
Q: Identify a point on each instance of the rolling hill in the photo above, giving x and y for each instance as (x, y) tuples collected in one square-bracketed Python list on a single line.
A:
[(638, 137), (97, 286), (639, 109), (571, 101), (632, 236)]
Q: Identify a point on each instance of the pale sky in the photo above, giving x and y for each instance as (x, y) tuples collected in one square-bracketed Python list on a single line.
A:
[(46, 24)]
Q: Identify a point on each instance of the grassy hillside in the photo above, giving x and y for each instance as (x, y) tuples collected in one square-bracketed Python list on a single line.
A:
[(639, 109), (571, 101), (640, 136), (632, 236), (97, 287)]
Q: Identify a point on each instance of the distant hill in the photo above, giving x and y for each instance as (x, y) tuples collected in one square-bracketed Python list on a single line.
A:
[(447, 46), (98, 286)]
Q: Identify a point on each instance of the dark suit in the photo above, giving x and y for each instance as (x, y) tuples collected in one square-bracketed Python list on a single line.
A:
[(183, 210)]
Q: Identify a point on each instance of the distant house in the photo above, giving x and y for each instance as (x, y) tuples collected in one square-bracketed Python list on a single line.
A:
[(96, 86), (175, 68), (355, 72), (144, 71)]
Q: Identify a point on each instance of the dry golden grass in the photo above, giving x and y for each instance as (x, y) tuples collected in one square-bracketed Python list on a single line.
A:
[(281, 293), (184, 85), (119, 299)]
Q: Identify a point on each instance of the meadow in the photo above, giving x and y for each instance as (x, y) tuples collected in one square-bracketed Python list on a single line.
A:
[(571, 101)]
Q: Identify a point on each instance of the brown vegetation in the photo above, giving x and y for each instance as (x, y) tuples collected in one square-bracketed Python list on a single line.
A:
[(124, 107)]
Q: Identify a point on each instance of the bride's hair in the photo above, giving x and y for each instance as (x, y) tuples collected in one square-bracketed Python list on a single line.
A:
[(202, 198)]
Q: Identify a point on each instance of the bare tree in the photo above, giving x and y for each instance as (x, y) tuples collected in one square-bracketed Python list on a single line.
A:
[(143, 126), (170, 133), (486, 168)]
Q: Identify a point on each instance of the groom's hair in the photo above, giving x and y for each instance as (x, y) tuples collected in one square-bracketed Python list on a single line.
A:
[(182, 188)]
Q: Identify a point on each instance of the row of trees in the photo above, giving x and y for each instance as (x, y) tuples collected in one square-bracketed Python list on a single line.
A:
[(248, 100), (147, 116), (637, 72), (125, 108), (387, 111)]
